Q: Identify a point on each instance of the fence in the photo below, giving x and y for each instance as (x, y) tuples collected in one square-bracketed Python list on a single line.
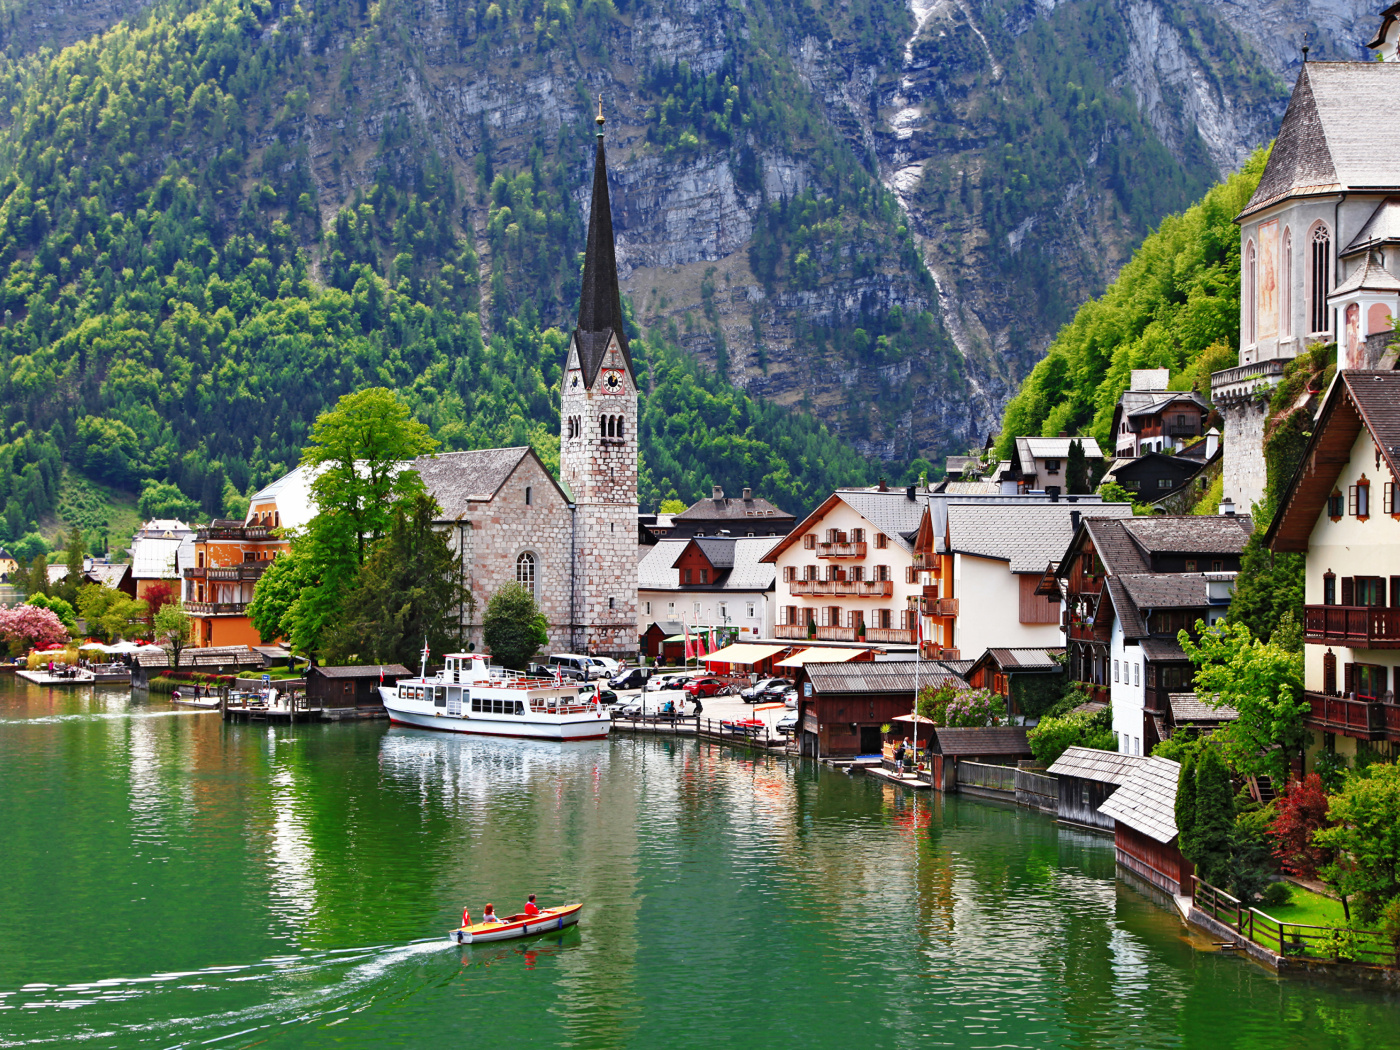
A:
[(988, 778), (1292, 939), (724, 731)]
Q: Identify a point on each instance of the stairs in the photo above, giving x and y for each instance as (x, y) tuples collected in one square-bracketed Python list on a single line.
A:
[(1261, 789)]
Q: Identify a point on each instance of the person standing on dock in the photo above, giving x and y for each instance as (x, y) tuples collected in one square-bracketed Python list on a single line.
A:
[(899, 758)]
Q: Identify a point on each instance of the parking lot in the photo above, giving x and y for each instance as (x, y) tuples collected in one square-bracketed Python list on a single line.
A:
[(718, 708)]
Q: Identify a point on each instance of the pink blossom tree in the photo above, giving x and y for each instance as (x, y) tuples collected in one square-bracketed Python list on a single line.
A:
[(28, 626)]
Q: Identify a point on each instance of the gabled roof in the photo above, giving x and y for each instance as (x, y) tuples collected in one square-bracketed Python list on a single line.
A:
[(366, 671), (1113, 545), (1032, 660), (1027, 535), (1370, 276), (1057, 447), (983, 740), (1162, 650), (600, 316), (740, 566), (1168, 590), (718, 550), (1123, 607), (1383, 227), (1355, 399), (879, 676), (1327, 142), (1103, 767), (729, 508), (1224, 534), (458, 479), (1164, 403), (1146, 801), (1188, 707)]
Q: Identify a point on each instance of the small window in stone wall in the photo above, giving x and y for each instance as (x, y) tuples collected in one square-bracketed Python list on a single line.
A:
[(525, 571), (529, 496)]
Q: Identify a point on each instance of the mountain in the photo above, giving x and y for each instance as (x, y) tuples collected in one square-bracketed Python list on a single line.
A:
[(219, 214)]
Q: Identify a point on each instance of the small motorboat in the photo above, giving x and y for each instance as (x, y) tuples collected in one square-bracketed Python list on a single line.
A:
[(521, 925), (745, 727)]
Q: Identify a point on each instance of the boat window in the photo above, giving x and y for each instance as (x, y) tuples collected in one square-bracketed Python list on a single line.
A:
[(496, 707), (520, 707), (476, 704), (440, 700)]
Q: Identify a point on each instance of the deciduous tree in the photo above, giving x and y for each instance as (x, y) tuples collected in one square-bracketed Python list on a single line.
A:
[(1364, 835), (28, 626), (1299, 813), (513, 627), (171, 625)]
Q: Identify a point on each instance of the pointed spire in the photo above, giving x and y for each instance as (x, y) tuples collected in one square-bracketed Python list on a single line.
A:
[(600, 302)]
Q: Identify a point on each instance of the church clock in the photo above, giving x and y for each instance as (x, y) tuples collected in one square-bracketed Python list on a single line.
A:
[(612, 381)]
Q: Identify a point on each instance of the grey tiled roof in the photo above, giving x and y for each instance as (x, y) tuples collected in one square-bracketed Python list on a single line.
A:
[(1188, 707), (1371, 276), (1191, 533), (1162, 650), (743, 571), (1328, 141), (893, 512), (1163, 403), (884, 676), (655, 572), (749, 572), (1057, 447), (1029, 536), (1087, 763), (208, 656), (366, 671), (455, 478), (1123, 607), (1027, 659), (1383, 227), (718, 549), (1001, 741), (729, 508), (1146, 801), (1167, 590), (1114, 546)]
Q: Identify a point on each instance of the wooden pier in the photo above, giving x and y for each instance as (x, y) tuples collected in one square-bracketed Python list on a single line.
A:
[(706, 729)]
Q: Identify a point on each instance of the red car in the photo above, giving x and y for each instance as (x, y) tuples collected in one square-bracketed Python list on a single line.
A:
[(699, 687)]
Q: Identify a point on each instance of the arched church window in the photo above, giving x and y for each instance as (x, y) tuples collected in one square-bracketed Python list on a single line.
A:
[(1319, 278), (525, 571), (1250, 293), (602, 426), (529, 496), (619, 426), (1285, 284)]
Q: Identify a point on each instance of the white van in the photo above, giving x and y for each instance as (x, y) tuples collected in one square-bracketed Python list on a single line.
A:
[(572, 665)]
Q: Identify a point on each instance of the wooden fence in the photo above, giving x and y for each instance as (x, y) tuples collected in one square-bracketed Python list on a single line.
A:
[(1295, 940), (723, 731)]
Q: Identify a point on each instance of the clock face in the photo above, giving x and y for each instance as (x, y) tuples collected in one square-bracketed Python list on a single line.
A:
[(573, 383), (612, 381)]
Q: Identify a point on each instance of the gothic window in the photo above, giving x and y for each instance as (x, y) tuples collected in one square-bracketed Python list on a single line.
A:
[(1319, 278), (525, 571), (1285, 285), (1250, 293)]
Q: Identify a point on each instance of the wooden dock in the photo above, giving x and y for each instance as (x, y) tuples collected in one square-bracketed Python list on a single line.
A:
[(82, 678), (705, 729)]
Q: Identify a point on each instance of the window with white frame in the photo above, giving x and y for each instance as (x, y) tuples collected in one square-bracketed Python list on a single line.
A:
[(525, 571)]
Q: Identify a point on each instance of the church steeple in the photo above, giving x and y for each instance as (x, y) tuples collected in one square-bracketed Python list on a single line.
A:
[(600, 302)]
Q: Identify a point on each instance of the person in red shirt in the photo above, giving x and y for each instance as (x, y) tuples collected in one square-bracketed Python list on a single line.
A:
[(531, 908)]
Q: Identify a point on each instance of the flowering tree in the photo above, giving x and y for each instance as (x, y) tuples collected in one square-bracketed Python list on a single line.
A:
[(28, 626), (962, 707)]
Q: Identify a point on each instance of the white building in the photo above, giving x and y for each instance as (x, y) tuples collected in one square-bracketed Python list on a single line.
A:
[(712, 581)]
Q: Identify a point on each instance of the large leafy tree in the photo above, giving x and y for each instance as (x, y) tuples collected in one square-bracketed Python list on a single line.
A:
[(1263, 681), (1365, 837), (27, 626), (1299, 814), (513, 628), (275, 596), (409, 593), (172, 626)]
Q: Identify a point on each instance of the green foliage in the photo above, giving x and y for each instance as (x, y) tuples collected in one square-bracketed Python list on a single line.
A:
[(1112, 492), (1033, 695), (1209, 503), (1276, 895), (1076, 470), (1331, 767), (1262, 681), (511, 627), (161, 499), (29, 546), (1174, 303), (1185, 807), (171, 625), (110, 613), (1252, 866), (276, 593), (1053, 735), (671, 506), (1214, 822), (59, 607), (409, 593), (1364, 832)]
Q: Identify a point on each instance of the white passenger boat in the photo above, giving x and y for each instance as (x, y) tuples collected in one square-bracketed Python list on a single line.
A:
[(470, 696)]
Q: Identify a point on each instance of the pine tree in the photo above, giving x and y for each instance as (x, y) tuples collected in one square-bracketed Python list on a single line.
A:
[(1186, 807), (1076, 470), (1215, 819)]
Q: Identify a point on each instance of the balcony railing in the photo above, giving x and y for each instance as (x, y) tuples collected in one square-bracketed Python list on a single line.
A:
[(935, 606), (836, 634), (216, 608), (251, 570), (927, 562), (889, 634), (236, 532), (848, 588), (934, 651), (1355, 626), (841, 550), (790, 630), (1362, 718)]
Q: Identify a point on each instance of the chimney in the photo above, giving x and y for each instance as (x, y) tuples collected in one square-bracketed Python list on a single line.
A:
[(1063, 434), (883, 487), (718, 493), (909, 493), (748, 494), (1227, 507), (1053, 491), (1074, 517), (1212, 442)]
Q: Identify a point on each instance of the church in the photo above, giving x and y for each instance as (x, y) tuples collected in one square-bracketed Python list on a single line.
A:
[(1319, 245), (571, 541)]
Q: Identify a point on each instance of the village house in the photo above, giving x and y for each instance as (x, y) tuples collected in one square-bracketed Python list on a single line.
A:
[(1173, 482), (1038, 464), (8, 565), (1319, 246), (1151, 418), (1025, 678), (1143, 810), (1342, 510), (843, 705), (159, 551), (869, 563), (718, 581), (1087, 777), (571, 541), (746, 515), (1129, 586)]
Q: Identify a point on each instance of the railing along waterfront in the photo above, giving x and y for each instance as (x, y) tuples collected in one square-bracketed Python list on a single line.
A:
[(1293, 939), (723, 730)]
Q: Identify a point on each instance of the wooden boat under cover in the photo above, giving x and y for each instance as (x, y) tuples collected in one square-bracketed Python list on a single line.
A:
[(522, 925)]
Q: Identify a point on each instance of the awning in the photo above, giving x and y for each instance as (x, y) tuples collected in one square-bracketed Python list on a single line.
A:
[(743, 653), (820, 655), (921, 719)]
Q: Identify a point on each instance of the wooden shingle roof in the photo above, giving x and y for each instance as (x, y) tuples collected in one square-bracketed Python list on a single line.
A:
[(1146, 801), (1000, 741), (1088, 763)]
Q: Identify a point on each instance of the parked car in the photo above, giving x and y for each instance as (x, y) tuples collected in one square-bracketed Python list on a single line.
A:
[(777, 691), (708, 687), (753, 692), (588, 690), (606, 664), (675, 680), (790, 699), (787, 724), (631, 678)]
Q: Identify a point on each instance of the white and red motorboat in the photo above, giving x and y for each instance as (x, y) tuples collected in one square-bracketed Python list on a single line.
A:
[(522, 925), (470, 696)]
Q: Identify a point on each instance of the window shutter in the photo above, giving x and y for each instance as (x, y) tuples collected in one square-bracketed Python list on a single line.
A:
[(1348, 679), (789, 573), (1380, 592), (809, 541), (1395, 592), (1329, 673), (1389, 497), (1348, 590), (1380, 679), (1351, 500)]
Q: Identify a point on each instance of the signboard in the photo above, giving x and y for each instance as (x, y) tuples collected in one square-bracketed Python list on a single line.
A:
[(267, 678), (806, 688)]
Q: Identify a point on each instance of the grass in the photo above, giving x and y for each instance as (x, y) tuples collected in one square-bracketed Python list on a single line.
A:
[(1307, 908), (94, 508)]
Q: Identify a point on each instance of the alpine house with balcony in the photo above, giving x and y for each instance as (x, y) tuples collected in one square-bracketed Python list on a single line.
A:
[(1342, 511)]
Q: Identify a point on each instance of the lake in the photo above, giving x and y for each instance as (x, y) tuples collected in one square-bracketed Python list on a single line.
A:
[(171, 881)]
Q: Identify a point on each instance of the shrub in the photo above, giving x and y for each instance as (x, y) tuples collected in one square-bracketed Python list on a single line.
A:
[(1298, 815), (1277, 895), (1053, 736)]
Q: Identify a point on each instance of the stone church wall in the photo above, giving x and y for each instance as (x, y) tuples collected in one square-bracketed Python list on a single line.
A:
[(1244, 468)]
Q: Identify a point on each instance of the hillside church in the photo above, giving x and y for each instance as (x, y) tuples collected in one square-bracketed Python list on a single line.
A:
[(571, 542)]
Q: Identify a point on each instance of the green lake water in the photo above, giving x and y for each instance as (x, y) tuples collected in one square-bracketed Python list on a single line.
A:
[(170, 881)]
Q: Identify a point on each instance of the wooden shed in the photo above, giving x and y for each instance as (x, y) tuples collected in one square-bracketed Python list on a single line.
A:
[(1144, 836), (1087, 777), (357, 687), (843, 705), (994, 745)]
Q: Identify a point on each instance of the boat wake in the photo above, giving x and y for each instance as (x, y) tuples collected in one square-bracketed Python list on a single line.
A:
[(93, 716), (314, 988)]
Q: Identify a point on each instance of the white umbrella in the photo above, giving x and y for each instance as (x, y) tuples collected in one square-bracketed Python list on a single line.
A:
[(124, 647), (95, 645)]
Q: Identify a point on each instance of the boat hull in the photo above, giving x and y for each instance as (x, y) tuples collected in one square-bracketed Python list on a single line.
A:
[(547, 920), (593, 724)]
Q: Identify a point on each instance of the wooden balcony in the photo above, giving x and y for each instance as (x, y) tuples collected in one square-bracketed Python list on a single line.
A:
[(935, 606), (836, 634), (251, 570), (844, 588), (1355, 626), (842, 550), (934, 651), (927, 562), (1362, 718), (236, 532), (791, 630), (217, 608), (889, 634)]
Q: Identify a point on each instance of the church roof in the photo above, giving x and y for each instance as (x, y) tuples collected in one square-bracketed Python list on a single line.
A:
[(1383, 227), (456, 479), (600, 302), (1371, 276), (1330, 140)]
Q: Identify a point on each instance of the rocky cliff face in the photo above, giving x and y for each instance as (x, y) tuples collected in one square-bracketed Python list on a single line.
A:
[(1023, 148)]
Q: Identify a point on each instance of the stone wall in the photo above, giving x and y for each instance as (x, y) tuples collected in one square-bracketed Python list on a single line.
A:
[(1244, 469)]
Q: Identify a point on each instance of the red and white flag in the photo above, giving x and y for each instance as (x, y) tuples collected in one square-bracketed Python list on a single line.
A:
[(700, 650), (689, 647)]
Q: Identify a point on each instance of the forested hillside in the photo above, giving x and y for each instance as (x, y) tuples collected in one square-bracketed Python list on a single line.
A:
[(175, 309), (1174, 305)]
